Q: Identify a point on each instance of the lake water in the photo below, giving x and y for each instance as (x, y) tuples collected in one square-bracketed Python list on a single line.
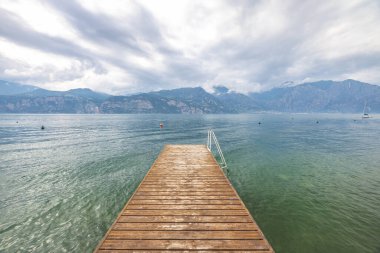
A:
[(311, 187)]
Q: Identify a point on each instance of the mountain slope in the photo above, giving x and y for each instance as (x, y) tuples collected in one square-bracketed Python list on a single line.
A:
[(87, 93), (11, 88), (193, 100), (236, 102), (31, 99), (184, 100), (47, 104), (323, 96)]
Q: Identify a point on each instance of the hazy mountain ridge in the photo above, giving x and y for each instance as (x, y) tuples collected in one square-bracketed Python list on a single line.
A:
[(11, 88), (31, 99), (47, 104), (183, 100), (236, 102), (323, 96)]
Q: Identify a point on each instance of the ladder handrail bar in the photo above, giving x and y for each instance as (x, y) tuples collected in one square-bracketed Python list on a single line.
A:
[(212, 137)]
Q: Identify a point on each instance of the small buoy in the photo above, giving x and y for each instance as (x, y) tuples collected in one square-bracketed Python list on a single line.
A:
[(317, 122), (161, 125), (42, 127), (259, 123)]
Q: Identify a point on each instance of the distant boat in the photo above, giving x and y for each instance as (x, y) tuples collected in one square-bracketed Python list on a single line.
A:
[(365, 112)]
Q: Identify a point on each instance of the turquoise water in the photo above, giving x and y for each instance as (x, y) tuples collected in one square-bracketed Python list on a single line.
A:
[(311, 187)]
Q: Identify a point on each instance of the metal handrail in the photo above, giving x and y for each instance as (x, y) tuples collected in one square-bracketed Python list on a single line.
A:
[(212, 137)]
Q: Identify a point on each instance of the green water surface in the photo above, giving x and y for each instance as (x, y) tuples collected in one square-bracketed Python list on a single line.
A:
[(311, 187)]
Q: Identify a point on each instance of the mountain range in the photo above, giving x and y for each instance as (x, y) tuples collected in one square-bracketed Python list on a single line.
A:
[(347, 96)]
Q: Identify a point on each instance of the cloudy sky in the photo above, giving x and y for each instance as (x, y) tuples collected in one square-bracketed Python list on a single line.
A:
[(123, 47)]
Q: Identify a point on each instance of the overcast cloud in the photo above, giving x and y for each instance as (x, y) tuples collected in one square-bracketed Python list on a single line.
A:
[(123, 47)]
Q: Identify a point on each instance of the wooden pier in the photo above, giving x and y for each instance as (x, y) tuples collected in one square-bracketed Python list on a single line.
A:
[(184, 203)]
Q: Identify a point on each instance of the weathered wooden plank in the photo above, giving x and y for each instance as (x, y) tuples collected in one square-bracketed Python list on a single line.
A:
[(184, 226), (186, 193), (201, 177), (178, 189), (213, 235), (171, 197), (187, 186), (184, 251), (188, 190), (184, 212), (186, 172), (179, 169), (183, 202), (185, 181), (185, 244), (185, 165), (185, 218), (183, 169), (184, 207), (190, 176), (199, 174), (187, 162)]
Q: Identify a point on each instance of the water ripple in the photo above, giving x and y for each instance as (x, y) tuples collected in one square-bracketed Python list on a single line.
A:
[(311, 187)]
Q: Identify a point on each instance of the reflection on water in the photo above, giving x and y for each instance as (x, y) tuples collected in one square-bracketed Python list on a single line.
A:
[(311, 187)]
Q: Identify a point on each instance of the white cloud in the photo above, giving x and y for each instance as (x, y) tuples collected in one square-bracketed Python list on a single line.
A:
[(39, 17), (131, 46)]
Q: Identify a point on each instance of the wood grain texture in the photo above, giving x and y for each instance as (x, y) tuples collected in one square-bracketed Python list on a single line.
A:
[(185, 218), (185, 203)]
